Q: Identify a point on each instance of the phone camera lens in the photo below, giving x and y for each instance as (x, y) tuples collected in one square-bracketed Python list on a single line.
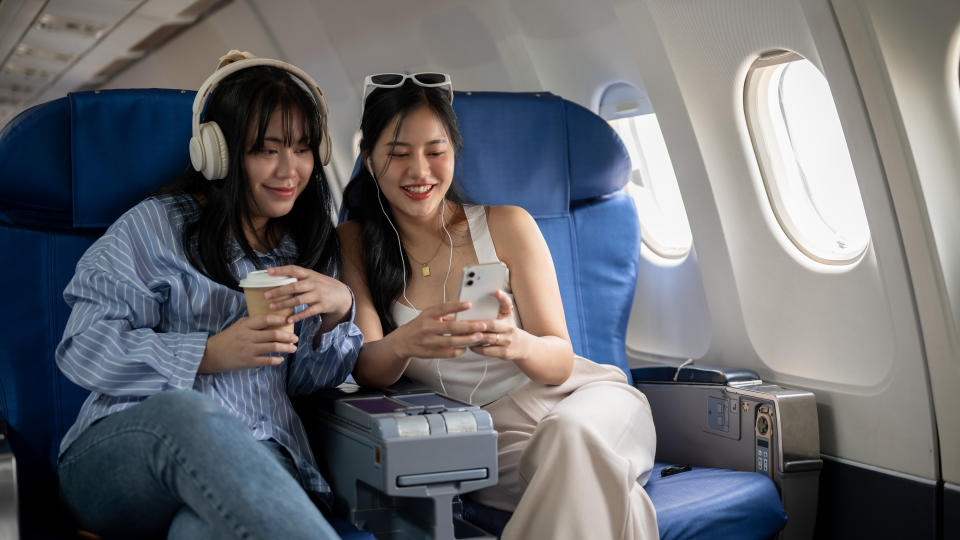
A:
[(471, 274), (469, 282)]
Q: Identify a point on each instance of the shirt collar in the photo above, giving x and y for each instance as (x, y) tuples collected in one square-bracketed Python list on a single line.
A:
[(284, 253)]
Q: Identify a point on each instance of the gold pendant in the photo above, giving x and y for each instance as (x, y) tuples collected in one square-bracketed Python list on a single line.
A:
[(425, 270)]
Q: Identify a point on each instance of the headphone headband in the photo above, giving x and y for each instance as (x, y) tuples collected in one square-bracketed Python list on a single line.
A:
[(210, 84)]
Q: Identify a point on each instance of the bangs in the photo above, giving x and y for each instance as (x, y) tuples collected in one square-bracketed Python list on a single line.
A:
[(385, 104), (291, 98)]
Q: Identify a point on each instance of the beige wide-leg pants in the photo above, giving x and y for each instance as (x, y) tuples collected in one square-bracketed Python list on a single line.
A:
[(573, 458)]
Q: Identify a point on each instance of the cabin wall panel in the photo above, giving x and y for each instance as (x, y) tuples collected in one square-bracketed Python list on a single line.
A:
[(907, 57), (674, 313), (842, 334), (579, 48), (669, 317)]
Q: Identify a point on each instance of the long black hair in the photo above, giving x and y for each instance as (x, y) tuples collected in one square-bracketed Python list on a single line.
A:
[(246, 101), (382, 263)]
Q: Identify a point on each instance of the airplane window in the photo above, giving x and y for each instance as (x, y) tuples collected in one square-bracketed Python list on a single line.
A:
[(664, 228), (804, 161)]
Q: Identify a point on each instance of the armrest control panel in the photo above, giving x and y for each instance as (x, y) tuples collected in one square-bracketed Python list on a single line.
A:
[(397, 461), (708, 418)]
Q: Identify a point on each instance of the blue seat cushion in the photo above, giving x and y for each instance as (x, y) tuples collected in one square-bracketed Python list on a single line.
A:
[(699, 504)]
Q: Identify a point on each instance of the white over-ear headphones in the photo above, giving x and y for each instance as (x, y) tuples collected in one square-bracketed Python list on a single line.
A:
[(208, 147)]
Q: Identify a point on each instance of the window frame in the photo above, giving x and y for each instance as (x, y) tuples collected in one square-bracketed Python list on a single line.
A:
[(771, 159), (633, 103)]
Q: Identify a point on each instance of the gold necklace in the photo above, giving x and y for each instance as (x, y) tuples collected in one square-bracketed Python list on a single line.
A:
[(424, 266)]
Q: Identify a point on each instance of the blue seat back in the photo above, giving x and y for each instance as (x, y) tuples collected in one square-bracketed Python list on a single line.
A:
[(70, 168), (567, 167)]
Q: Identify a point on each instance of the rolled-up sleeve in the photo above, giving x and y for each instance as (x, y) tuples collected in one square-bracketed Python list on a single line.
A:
[(110, 344), (330, 362)]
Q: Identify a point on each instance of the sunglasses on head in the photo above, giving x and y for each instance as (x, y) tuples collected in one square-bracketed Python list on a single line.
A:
[(396, 80)]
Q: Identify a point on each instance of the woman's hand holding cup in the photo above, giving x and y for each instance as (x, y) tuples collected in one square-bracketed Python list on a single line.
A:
[(323, 295), (249, 342)]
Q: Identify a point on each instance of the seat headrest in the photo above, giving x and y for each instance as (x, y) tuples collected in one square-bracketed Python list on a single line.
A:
[(80, 161), (537, 150)]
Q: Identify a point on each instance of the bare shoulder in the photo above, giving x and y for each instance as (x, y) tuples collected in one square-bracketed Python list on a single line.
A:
[(509, 220), (514, 232)]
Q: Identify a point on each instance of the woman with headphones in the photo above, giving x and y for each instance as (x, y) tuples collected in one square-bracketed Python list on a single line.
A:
[(189, 431)]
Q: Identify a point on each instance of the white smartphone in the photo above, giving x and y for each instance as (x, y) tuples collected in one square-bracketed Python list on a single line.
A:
[(477, 285)]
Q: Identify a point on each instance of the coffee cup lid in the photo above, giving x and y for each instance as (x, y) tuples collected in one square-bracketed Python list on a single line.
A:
[(260, 278)]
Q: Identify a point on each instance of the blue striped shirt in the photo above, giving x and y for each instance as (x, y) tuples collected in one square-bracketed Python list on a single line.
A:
[(141, 315)]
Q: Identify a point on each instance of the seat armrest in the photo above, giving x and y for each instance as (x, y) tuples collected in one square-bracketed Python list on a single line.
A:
[(747, 425), (693, 375), (9, 517)]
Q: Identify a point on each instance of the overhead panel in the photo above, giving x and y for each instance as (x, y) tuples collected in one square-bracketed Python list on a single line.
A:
[(50, 48)]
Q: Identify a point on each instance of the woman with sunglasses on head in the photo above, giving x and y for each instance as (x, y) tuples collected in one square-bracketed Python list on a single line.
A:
[(189, 431), (568, 468)]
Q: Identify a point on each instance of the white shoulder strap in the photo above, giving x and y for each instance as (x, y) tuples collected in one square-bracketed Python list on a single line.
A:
[(482, 242)]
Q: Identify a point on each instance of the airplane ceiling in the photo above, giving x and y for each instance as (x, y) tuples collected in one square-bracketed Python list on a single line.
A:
[(51, 47)]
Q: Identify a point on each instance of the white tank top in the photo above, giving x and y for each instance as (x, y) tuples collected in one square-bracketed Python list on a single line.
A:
[(485, 377)]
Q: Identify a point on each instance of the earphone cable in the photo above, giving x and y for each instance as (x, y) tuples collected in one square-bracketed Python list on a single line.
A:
[(443, 224), (403, 264)]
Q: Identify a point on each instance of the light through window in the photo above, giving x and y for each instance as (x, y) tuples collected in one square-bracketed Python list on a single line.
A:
[(804, 160), (664, 228)]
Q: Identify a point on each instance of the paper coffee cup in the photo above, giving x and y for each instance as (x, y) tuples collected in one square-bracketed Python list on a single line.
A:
[(258, 282)]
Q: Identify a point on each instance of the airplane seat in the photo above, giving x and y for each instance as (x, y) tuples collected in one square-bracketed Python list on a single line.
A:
[(567, 167), (549, 156), (70, 168)]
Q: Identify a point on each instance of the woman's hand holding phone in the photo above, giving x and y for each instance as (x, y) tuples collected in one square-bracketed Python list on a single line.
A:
[(502, 338), (435, 333), (448, 330), (480, 284)]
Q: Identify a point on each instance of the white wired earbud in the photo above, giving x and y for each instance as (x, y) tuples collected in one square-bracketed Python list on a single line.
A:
[(403, 264)]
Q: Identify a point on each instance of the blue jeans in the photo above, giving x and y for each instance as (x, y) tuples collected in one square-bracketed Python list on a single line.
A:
[(178, 465)]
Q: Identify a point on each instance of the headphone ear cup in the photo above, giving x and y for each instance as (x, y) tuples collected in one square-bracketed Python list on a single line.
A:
[(213, 149)]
